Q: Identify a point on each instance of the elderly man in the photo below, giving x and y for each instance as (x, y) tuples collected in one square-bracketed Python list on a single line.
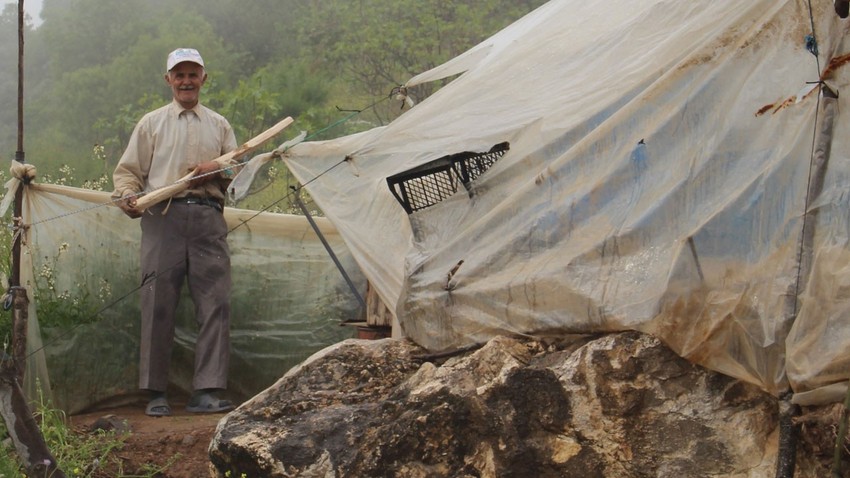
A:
[(184, 237)]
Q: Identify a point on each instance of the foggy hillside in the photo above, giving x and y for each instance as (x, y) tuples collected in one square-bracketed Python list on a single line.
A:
[(93, 67)]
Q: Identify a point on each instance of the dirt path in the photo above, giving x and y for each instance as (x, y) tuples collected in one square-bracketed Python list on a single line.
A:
[(177, 444)]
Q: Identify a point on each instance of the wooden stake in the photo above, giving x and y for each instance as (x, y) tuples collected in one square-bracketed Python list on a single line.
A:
[(20, 323), (162, 194)]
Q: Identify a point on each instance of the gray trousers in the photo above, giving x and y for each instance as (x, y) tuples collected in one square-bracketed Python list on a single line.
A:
[(187, 243)]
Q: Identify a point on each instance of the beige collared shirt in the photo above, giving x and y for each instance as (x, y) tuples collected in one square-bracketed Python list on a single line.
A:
[(167, 144)]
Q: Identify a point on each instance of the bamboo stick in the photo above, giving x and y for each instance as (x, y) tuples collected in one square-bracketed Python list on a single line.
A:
[(162, 194)]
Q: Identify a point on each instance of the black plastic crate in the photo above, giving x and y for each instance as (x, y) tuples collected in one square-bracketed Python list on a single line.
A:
[(430, 183)]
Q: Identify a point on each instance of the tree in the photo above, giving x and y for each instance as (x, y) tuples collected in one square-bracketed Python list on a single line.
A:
[(379, 45), (94, 67), (99, 100)]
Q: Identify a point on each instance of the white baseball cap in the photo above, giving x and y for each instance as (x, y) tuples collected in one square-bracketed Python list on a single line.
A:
[(183, 54)]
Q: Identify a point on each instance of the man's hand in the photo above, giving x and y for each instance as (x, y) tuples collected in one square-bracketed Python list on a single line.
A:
[(204, 172), (128, 205)]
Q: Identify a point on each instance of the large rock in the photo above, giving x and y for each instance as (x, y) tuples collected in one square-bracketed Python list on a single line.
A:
[(620, 405)]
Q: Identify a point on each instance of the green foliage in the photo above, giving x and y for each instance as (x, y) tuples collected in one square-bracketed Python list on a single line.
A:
[(380, 44), (5, 271), (78, 455), (94, 67), (9, 468), (273, 192), (107, 89), (58, 306), (61, 308)]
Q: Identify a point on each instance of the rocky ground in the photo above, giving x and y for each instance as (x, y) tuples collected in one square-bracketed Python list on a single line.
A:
[(602, 406), (621, 405)]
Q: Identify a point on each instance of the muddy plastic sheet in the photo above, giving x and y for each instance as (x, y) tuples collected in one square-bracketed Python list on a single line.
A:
[(658, 179)]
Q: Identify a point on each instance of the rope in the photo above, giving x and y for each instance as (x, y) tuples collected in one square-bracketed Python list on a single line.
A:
[(153, 277)]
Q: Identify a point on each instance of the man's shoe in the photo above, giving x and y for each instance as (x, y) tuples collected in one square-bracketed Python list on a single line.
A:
[(158, 407), (207, 403)]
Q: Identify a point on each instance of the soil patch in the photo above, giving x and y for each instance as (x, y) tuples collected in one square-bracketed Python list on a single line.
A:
[(176, 445)]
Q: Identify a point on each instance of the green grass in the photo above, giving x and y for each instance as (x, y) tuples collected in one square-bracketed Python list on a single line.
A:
[(77, 454)]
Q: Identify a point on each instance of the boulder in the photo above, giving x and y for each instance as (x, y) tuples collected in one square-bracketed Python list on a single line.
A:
[(618, 405)]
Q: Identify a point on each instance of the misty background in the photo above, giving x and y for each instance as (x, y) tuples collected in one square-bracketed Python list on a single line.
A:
[(31, 8), (94, 67)]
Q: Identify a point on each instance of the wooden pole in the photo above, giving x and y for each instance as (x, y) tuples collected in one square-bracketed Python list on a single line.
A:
[(20, 77), (162, 194), (23, 430), (19, 322)]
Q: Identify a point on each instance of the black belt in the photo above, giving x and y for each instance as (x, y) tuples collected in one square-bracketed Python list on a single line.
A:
[(214, 203)]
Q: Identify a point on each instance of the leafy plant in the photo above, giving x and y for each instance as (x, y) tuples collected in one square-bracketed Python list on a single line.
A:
[(5, 271), (59, 306), (78, 455), (62, 308)]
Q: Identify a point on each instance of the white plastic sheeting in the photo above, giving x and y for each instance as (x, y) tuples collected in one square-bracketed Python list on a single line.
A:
[(657, 180), (288, 298)]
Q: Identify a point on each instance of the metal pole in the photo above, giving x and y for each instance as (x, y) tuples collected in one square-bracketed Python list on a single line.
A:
[(327, 246)]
